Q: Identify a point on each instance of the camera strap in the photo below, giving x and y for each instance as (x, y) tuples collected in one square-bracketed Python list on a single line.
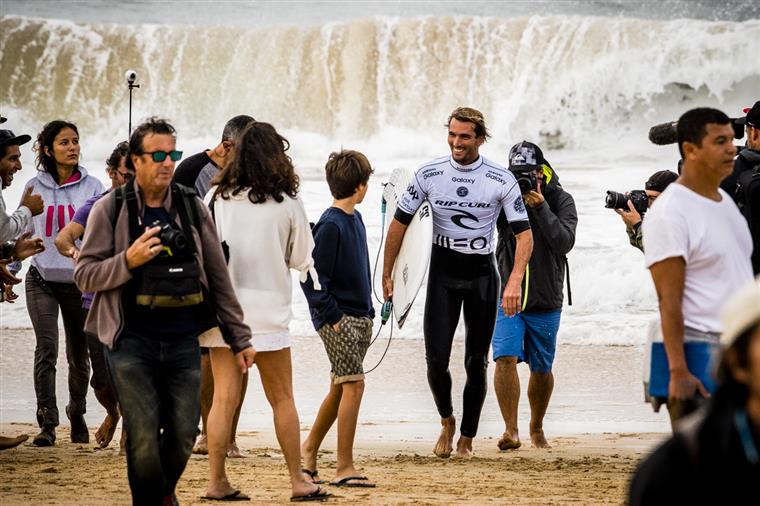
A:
[(180, 200)]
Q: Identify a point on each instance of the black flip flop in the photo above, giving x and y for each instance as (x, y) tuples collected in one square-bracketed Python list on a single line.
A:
[(353, 482), (237, 495), (314, 475), (317, 495)]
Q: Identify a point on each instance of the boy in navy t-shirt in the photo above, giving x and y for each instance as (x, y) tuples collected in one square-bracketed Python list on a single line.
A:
[(341, 311)]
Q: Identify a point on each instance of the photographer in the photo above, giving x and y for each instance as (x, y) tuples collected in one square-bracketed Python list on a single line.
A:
[(744, 182), (632, 218), (531, 334), (153, 285)]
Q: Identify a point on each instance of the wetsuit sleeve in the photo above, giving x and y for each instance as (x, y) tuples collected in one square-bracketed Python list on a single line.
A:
[(514, 208), (326, 242), (558, 226), (412, 199)]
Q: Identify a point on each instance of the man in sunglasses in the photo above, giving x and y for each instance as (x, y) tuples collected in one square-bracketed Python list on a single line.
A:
[(66, 243), (150, 292), (744, 182)]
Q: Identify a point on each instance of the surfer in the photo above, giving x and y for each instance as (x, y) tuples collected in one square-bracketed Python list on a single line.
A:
[(531, 336), (466, 193), (341, 310)]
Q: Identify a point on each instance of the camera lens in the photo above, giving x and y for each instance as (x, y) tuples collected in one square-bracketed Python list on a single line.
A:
[(615, 200)]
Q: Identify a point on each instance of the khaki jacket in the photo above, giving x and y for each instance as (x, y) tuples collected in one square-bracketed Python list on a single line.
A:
[(102, 268)]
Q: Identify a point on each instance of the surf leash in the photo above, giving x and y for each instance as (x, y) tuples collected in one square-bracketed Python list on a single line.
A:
[(386, 312)]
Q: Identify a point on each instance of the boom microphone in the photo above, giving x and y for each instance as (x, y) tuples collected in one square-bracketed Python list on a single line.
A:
[(664, 133)]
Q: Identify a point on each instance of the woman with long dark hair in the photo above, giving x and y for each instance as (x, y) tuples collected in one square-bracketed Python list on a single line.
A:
[(263, 227), (64, 186)]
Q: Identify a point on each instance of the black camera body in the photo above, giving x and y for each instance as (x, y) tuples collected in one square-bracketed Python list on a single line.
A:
[(526, 180), (173, 241), (615, 200)]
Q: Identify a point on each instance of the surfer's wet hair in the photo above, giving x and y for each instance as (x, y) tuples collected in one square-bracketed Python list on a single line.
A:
[(473, 116), (692, 125), (345, 171)]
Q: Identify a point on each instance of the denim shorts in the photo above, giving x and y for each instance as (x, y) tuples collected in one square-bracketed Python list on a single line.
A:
[(531, 337)]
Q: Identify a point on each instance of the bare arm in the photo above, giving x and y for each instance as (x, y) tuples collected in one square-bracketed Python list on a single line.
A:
[(669, 277), (510, 300), (65, 241), (396, 232)]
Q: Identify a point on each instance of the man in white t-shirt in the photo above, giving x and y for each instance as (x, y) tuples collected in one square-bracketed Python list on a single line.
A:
[(697, 247)]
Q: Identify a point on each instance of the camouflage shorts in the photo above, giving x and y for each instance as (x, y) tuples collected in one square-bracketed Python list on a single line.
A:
[(347, 347)]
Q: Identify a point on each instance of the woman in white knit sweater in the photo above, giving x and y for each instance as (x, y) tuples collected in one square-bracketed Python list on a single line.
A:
[(263, 226)]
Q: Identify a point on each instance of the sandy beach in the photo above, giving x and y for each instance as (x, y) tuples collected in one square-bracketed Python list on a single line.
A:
[(597, 423), (583, 469)]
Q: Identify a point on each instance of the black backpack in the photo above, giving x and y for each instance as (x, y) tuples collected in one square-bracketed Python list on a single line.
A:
[(173, 281)]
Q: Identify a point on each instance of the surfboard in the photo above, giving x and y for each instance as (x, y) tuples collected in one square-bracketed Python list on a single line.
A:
[(414, 256)]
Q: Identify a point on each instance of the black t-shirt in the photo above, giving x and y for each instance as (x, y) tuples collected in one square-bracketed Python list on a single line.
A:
[(164, 323)]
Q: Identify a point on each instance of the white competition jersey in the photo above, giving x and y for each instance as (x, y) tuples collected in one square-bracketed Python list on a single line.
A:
[(466, 200)]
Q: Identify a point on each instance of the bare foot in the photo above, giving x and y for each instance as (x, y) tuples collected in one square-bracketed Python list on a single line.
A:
[(104, 434), (538, 440), (509, 442), (201, 445), (234, 452), (445, 444), (11, 442), (464, 448)]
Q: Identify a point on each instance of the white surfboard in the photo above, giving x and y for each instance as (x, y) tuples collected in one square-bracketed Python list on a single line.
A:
[(414, 256)]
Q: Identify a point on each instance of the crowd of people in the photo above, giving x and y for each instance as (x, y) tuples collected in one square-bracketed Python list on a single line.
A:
[(168, 305)]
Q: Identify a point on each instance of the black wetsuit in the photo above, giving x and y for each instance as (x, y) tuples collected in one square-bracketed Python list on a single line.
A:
[(466, 202)]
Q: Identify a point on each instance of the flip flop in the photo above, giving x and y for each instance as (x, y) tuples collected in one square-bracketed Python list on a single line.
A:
[(314, 475), (237, 495), (317, 495), (353, 482)]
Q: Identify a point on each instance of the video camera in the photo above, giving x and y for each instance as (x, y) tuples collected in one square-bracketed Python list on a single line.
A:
[(615, 200), (666, 133)]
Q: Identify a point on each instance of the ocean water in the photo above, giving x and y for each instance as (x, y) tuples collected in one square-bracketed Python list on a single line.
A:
[(585, 80)]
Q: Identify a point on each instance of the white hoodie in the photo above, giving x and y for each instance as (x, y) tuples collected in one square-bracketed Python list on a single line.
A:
[(61, 202)]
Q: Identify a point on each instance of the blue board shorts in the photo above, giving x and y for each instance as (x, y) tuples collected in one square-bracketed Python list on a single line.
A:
[(531, 337)]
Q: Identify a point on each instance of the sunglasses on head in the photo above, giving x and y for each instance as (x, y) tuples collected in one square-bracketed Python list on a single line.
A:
[(160, 156)]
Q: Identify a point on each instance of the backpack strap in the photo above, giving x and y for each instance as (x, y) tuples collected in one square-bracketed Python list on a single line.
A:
[(187, 207), (117, 197)]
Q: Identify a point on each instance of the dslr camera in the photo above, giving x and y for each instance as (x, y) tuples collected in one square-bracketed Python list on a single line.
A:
[(615, 200), (173, 241), (526, 180)]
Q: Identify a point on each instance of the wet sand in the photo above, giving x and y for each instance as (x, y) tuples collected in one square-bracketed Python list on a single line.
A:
[(582, 469), (597, 423)]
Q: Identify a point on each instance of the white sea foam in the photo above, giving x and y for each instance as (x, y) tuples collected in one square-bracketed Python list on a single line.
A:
[(588, 85)]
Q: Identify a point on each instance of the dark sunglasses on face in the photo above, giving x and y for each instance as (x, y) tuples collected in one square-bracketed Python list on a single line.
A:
[(160, 156), (126, 175)]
